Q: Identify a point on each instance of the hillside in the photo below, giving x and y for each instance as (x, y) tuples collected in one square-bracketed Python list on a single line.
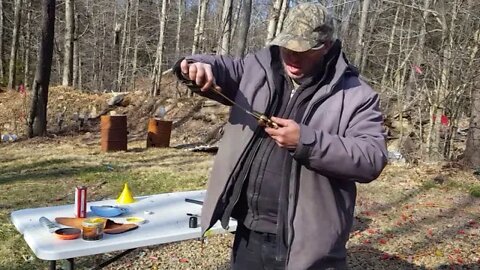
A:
[(71, 112)]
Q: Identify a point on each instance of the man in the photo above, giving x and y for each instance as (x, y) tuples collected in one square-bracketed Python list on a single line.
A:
[(292, 187)]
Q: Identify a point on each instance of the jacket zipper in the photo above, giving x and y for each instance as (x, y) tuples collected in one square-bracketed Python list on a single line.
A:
[(237, 193)]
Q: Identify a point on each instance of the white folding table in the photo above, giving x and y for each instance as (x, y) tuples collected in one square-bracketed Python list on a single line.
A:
[(166, 221)]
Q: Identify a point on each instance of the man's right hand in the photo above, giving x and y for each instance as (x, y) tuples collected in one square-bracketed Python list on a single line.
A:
[(200, 73)]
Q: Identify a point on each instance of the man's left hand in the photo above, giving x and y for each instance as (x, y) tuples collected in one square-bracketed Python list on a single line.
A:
[(287, 134)]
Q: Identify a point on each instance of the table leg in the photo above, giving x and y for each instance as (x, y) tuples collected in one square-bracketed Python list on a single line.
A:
[(53, 265), (71, 264)]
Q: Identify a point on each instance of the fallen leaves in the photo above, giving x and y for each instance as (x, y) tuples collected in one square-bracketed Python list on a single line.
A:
[(183, 260)]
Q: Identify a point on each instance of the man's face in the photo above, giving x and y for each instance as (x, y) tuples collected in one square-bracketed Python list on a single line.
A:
[(300, 64)]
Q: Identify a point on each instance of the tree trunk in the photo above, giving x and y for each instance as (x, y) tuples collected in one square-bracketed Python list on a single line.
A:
[(281, 16), (101, 59), (383, 82), (180, 7), (135, 48), (37, 124), (244, 26), (122, 49), (196, 30), (202, 37), (368, 37), (472, 149), (28, 40), (157, 69), (226, 27), (273, 20), (399, 74), (114, 66), (13, 52), (76, 57), (418, 57), (443, 84), (361, 31), (95, 52), (80, 81), (68, 46), (234, 21), (198, 34), (2, 60), (128, 46), (347, 11)]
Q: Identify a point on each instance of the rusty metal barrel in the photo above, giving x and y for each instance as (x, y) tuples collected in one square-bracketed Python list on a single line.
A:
[(159, 132), (113, 133)]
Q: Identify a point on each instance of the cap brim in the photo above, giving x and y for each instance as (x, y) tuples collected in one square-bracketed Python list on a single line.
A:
[(292, 43)]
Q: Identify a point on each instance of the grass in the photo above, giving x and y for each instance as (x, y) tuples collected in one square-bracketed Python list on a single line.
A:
[(475, 191), (37, 174)]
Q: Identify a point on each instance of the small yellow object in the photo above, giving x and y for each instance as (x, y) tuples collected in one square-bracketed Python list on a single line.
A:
[(135, 220), (208, 233), (126, 196)]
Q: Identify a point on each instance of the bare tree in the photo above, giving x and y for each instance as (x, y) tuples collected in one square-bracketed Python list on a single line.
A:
[(14, 47), (196, 30), (226, 27), (236, 10), (347, 11), (28, 38), (157, 69), (273, 20), (76, 56), (198, 35), (472, 150), (383, 82), (361, 31), (281, 16), (244, 26), (439, 94), (418, 57), (135, 47), (372, 25), (37, 124), (67, 78), (180, 7), (101, 59), (2, 71), (123, 49)]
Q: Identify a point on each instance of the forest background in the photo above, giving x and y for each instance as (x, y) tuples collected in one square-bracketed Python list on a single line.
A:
[(61, 61)]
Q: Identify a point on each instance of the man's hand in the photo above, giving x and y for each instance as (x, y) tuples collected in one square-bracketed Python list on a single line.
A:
[(287, 135), (200, 73)]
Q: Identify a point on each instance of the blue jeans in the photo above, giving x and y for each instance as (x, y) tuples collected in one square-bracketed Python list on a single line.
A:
[(255, 251)]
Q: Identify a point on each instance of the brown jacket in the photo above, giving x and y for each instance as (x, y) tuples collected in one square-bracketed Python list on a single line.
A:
[(342, 142)]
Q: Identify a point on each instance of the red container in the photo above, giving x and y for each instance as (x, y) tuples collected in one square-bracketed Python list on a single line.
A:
[(81, 201)]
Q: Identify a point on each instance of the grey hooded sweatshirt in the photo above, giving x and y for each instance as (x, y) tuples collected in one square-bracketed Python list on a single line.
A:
[(342, 142)]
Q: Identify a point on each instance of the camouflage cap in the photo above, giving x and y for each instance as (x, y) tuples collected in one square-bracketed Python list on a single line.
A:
[(306, 26)]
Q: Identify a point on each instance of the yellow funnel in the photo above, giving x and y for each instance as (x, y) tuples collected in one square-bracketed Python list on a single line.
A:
[(126, 196)]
